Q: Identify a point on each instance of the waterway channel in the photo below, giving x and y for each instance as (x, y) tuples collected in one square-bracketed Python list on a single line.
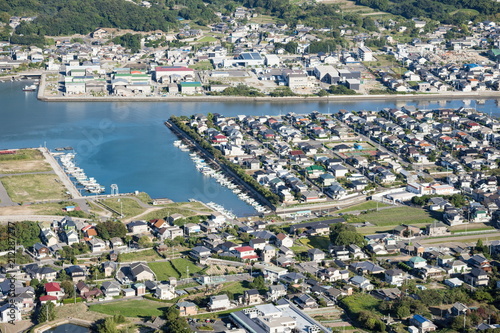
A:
[(126, 143)]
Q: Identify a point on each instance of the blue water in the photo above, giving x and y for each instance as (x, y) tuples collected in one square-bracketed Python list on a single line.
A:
[(126, 143), (68, 328)]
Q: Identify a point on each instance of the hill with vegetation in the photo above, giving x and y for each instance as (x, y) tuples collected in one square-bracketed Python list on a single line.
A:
[(63, 17)]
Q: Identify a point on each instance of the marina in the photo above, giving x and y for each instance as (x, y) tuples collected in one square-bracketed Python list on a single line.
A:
[(78, 175), (213, 171)]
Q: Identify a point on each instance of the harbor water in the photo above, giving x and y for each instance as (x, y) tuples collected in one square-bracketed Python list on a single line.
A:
[(127, 143)]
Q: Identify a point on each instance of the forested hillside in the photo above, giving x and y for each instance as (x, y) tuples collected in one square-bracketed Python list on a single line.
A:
[(66, 17), (445, 11)]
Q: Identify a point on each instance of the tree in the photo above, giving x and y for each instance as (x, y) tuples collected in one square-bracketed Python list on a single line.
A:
[(34, 283), (174, 323), (46, 312), (258, 283), (144, 242), (69, 288), (403, 311), (341, 90), (345, 234), (108, 325)]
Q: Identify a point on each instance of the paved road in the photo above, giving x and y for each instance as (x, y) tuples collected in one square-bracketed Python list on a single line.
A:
[(50, 218), (75, 194), (4, 197)]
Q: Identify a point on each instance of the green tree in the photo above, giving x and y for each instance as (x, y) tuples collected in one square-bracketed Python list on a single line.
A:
[(69, 288), (174, 323), (258, 283), (144, 242), (345, 234), (403, 311), (108, 325), (341, 90), (46, 312)]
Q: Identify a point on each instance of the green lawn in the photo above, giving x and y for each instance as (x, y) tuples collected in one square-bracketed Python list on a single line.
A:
[(131, 308), (182, 264), (147, 255), (128, 207), (237, 288), (359, 302), (23, 154), (207, 39), (174, 268), (318, 242), (363, 206), (202, 65), (25, 188), (163, 270), (186, 209), (398, 215)]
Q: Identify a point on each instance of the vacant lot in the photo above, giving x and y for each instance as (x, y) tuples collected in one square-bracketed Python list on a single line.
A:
[(363, 206), (9, 167), (127, 207), (146, 255), (397, 216), (33, 187), (177, 268), (131, 308), (317, 242)]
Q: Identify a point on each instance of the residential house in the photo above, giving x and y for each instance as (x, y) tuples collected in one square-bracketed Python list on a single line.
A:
[(218, 303), (140, 271), (165, 292), (251, 297), (54, 289), (275, 292), (395, 276), (111, 288), (422, 323), (361, 282), (316, 255), (477, 277), (187, 309)]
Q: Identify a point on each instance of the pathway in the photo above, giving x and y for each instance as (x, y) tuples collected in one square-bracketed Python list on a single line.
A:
[(4, 197), (75, 194)]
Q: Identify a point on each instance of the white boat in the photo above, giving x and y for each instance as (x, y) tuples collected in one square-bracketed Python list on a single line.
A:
[(31, 87)]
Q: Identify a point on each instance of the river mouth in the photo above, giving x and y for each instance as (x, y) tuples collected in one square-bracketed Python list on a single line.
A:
[(68, 328)]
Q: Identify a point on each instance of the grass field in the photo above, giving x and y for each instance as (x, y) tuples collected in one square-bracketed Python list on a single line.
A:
[(33, 187), (184, 208), (237, 288), (23, 166), (147, 255), (359, 302), (23, 154), (174, 268), (317, 242), (397, 216), (128, 207), (144, 197), (202, 65), (182, 264), (363, 206), (207, 39), (131, 308), (163, 270)]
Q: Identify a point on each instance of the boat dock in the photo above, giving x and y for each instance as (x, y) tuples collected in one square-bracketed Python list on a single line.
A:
[(225, 176), (63, 176)]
